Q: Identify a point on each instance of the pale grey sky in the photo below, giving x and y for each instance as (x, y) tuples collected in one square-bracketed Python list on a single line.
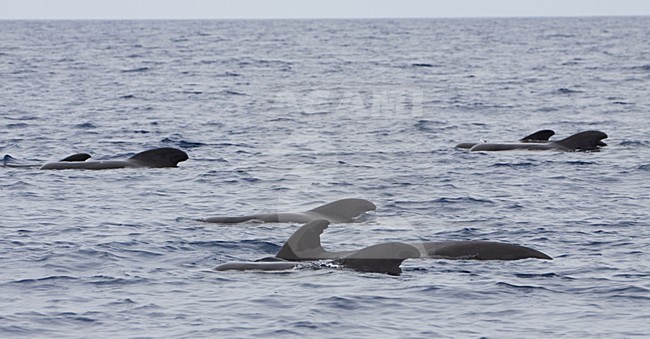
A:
[(240, 9)]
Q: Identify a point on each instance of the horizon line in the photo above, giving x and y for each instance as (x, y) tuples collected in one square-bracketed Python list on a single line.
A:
[(327, 18)]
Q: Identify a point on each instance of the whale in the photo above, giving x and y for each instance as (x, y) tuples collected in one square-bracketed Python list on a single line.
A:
[(583, 141), (344, 210), (381, 258), (305, 245), (477, 250), (9, 161), (154, 158), (541, 136)]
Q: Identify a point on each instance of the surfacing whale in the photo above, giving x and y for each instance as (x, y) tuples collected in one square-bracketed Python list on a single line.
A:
[(344, 210), (305, 245), (159, 157), (583, 141), (155, 158), (541, 136), (9, 161)]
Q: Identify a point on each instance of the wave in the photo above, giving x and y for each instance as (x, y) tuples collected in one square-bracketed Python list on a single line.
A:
[(86, 125), (178, 141), (423, 65), (136, 70), (564, 90), (645, 67), (513, 165), (644, 167), (522, 288), (52, 278), (255, 245), (18, 125), (462, 200), (104, 280), (633, 143), (231, 92)]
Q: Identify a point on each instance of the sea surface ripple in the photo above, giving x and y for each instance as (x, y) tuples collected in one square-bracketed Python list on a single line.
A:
[(282, 115)]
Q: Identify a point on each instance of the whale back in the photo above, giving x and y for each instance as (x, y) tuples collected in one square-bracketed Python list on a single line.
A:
[(466, 145), (10, 161), (480, 250), (344, 210), (531, 146), (539, 136), (159, 157), (381, 258), (583, 141), (231, 220), (89, 165)]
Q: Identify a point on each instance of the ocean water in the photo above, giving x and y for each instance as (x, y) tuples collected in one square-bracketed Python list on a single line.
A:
[(287, 115)]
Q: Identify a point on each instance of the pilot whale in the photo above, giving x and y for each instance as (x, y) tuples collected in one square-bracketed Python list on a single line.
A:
[(157, 158), (583, 141), (9, 161), (382, 258), (344, 210), (541, 136), (305, 245)]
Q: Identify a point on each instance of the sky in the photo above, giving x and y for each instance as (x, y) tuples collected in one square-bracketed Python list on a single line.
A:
[(306, 9)]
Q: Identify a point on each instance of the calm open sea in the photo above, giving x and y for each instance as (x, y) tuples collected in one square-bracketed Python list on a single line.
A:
[(287, 115)]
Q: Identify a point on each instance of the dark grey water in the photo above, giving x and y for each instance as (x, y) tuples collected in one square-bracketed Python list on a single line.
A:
[(286, 115)]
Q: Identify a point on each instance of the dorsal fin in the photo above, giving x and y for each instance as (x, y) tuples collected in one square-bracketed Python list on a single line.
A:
[(587, 140), (160, 157), (381, 258), (304, 244), (542, 135), (77, 157), (344, 210)]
